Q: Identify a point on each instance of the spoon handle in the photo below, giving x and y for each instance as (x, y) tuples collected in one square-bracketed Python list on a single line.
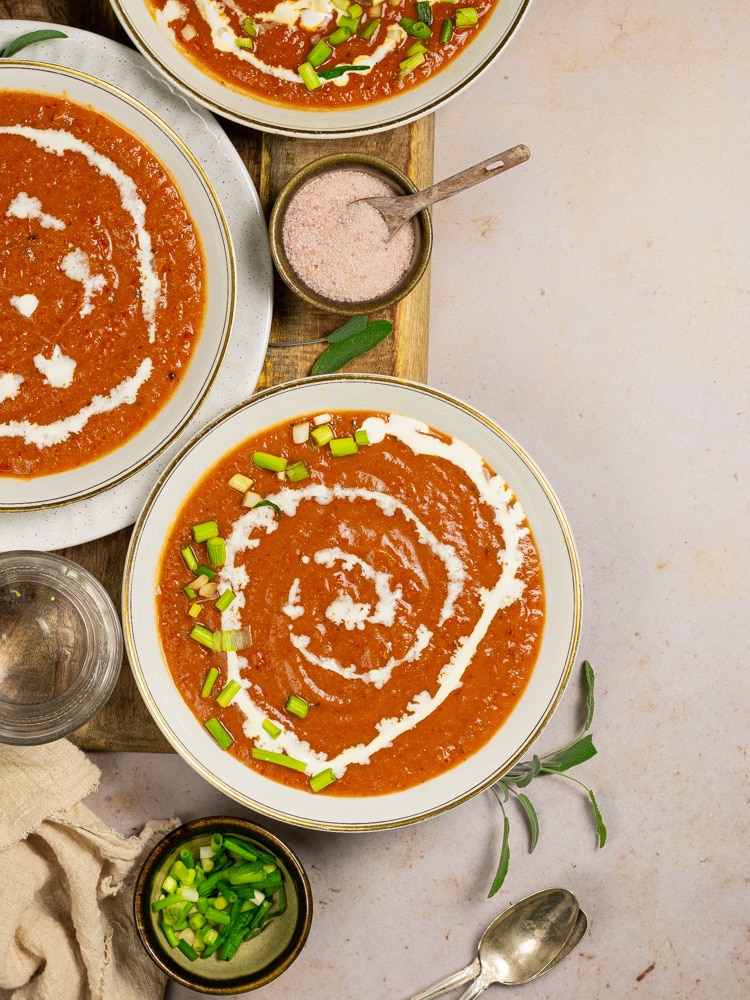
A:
[(450, 982), (469, 177), (477, 987)]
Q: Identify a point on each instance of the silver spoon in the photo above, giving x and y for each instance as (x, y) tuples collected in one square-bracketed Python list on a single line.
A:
[(398, 209), (525, 941)]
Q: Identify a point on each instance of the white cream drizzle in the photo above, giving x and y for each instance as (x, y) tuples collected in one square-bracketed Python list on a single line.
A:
[(58, 142), (75, 265), (58, 369), (310, 15), (25, 207), (9, 385), (508, 516), (26, 304), (46, 435)]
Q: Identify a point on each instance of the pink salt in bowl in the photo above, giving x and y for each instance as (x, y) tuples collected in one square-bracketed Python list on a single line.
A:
[(333, 252)]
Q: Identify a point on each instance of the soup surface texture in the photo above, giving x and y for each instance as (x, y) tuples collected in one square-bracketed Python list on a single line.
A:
[(103, 285), (321, 54), (395, 590)]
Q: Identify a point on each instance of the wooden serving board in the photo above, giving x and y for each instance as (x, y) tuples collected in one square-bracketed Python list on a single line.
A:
[(124, 723)]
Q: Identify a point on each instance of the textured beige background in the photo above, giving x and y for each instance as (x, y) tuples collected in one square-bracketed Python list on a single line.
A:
[(595, 303)]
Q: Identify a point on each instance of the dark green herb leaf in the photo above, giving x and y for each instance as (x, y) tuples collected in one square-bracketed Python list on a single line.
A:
[(353, 325), (589, 675), (601, 829), (331, 74), (573, 754), (533, 819), (269, 503), (502, 868), (29, 39), (342, 352), (499, 787)]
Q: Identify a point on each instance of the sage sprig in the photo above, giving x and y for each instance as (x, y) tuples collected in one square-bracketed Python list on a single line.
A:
[(356, 337), (559, 762), (29, 39)]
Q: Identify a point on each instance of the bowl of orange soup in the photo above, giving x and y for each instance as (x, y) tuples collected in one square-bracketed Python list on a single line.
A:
[(324, 68), (352, 602), (119, 280)]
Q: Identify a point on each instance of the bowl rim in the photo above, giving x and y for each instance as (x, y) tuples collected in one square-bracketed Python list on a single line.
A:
[(63, 483), (349, 161), (196, 828), (210, 758)]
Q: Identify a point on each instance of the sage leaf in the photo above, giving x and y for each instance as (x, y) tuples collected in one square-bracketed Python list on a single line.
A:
[(588, 673), (533, 819), (353, 325), (502, 868), (573, 754), (29, 39), (601, 829), (340, 353)]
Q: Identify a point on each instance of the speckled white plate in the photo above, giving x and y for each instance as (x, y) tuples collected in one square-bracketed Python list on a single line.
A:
[(114, 508), (402, 108), (536, 704)]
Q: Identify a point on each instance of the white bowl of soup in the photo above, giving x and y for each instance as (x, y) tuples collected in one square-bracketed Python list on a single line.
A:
[(120, 286), (324, 68), (352, 602)]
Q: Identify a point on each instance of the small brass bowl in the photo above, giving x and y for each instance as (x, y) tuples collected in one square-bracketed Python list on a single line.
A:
[(395, 179), (260, 960)]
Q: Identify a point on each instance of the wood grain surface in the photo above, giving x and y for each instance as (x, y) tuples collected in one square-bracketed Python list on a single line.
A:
[(124, 723)]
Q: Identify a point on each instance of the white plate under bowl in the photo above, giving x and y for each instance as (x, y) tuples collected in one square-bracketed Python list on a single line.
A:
[(402, 108), (208, 218), (539, 699)]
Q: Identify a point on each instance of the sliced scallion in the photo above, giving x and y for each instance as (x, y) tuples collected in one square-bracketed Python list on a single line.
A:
[(211, 678), (216, 549), (345, 21), (244, 43), (412, 62), (368, 30), (418, 46), (308, 76), (195, 609), (361, 437), (202, 635), (354, 10), (446, 32), (343, 446), (273, 463), (319, 53), (225, 600), (271, 757), (322, 780), (301, 432), (424, 12), (250, 499), (240, 482), (340, 35), (227, 694), (232, 640), (297, 471), (189, 558), (205, 530), (466, 17), (271, 728), (206, 571), (219, 732), (297, 706), (248, 26), (321, 434)]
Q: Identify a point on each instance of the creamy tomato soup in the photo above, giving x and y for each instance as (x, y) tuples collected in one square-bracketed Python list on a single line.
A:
[(320, 53), (386, 581), (102, 285)]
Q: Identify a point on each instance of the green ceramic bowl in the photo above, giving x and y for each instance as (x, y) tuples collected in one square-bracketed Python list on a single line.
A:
[(259, 960)]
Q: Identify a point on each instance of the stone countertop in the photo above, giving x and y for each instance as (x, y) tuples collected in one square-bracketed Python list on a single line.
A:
[(594, 303)]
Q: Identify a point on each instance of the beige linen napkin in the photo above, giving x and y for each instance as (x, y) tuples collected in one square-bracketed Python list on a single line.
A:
[(66, 885)]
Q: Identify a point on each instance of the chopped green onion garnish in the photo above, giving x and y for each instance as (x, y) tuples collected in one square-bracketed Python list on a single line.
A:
[(231, 640), (248, 26), (278, 758), (346, 445), (412, 62), (446, 32), (202, 635), (274, 463), (189, 558), (424, 12), (211, 678), (205, 530), (352, 23), (340, 35), (244, 43), (322, 434), (319, 53), (416, 47), (354, 11), (187, 949), (190, 592), (227, 693), (308, 76), (216, 548), (297, 706), (361, 437), (466, 17), (322, 780), (407, 22), (240, 482), (368, 30), (225, 600), (219, 733), (205, 571), (195, 609), (271, 728), (297, 471), (418, 29)]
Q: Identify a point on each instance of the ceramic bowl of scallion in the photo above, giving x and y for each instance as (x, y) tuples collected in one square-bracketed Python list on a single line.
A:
[(223, 906)]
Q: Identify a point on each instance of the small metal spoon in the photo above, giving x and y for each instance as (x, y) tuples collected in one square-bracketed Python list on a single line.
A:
[(400, 208), (525, 941)]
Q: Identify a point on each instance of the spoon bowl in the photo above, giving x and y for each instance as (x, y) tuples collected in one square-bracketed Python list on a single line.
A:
[(525, 941), (399, 209)]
